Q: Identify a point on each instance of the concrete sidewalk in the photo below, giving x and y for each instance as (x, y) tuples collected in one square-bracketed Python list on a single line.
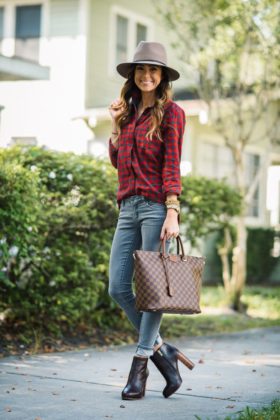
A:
[(231, 372)]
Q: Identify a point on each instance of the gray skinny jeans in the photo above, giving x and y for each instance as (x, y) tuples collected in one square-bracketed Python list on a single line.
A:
[(139, 226)]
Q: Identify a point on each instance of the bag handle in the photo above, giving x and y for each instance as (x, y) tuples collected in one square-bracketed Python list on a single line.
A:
[(162, 246), (165, 262)]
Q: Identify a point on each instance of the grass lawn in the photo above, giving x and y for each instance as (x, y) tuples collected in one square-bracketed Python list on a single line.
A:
[(263, 310), (267, 413)]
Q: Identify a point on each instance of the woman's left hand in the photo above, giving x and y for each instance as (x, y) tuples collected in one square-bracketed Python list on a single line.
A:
[(170, 227)]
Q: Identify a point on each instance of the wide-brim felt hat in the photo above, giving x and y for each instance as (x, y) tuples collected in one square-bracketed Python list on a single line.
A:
[(149, 53)]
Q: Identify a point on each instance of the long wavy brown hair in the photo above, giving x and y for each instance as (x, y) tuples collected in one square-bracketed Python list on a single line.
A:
[(162, 94)]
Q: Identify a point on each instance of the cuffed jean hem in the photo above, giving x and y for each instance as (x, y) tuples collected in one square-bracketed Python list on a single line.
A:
[(141, 351), (147, 351)]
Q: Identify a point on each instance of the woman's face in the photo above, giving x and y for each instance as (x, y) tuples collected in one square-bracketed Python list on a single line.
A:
[(147, 77)]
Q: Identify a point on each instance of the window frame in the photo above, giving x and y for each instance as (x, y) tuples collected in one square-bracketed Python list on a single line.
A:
[(28, 47), (2, 35), (133, 19), (257, 202), (18, 27), (217, 151), (9, 35)]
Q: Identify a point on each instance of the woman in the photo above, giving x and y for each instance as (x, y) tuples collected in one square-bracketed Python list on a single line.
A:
[(145, 146)]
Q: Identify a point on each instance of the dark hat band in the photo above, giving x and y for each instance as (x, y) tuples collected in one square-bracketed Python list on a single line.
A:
[(148, 60)]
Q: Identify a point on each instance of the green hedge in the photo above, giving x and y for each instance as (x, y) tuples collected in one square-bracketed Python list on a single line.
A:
[(57, 220), (260, 262)]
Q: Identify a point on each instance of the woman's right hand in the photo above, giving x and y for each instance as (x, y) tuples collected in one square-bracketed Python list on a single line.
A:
[(116, 108)]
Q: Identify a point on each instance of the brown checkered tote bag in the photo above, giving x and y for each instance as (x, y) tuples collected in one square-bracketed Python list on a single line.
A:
[(168, 283)]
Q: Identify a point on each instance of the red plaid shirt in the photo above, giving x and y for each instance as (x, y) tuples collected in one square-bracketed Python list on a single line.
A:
[(150, 168)]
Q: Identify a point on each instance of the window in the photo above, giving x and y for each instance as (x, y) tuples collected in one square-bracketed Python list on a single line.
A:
[(1, 27), (217, 162), (128, 29), (122, 39), (28, 32), (252, 164), (141, 33)]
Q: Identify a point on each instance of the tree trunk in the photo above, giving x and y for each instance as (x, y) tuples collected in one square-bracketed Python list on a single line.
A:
[(234, 284), (238, 265), (223, 252)]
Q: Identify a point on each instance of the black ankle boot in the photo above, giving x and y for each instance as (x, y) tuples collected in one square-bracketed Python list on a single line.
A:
[(166, 360), (136, 383)]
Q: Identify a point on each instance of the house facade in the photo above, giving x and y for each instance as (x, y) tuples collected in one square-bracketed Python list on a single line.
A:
[(61, 100)]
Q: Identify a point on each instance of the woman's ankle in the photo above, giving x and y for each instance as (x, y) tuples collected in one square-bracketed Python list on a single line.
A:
[(157, 346)]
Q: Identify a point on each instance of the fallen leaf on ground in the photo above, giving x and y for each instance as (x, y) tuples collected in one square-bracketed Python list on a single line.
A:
[(230, 406), (201, 361)]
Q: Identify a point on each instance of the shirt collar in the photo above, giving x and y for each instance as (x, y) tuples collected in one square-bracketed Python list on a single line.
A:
[(136, 98)]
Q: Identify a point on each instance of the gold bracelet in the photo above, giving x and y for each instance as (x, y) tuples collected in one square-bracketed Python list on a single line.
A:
[(172, 202), (173, 206)]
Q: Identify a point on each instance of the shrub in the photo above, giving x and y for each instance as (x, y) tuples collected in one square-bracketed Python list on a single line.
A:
[(207, 206), (57, 220), (59, 211), (260, 262)]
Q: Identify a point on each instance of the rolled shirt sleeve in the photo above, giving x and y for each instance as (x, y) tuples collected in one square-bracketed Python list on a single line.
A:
[(113, 154), (173, 133)]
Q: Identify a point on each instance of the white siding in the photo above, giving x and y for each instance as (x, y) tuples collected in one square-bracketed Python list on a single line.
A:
[(45, 110), (64, 18)]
